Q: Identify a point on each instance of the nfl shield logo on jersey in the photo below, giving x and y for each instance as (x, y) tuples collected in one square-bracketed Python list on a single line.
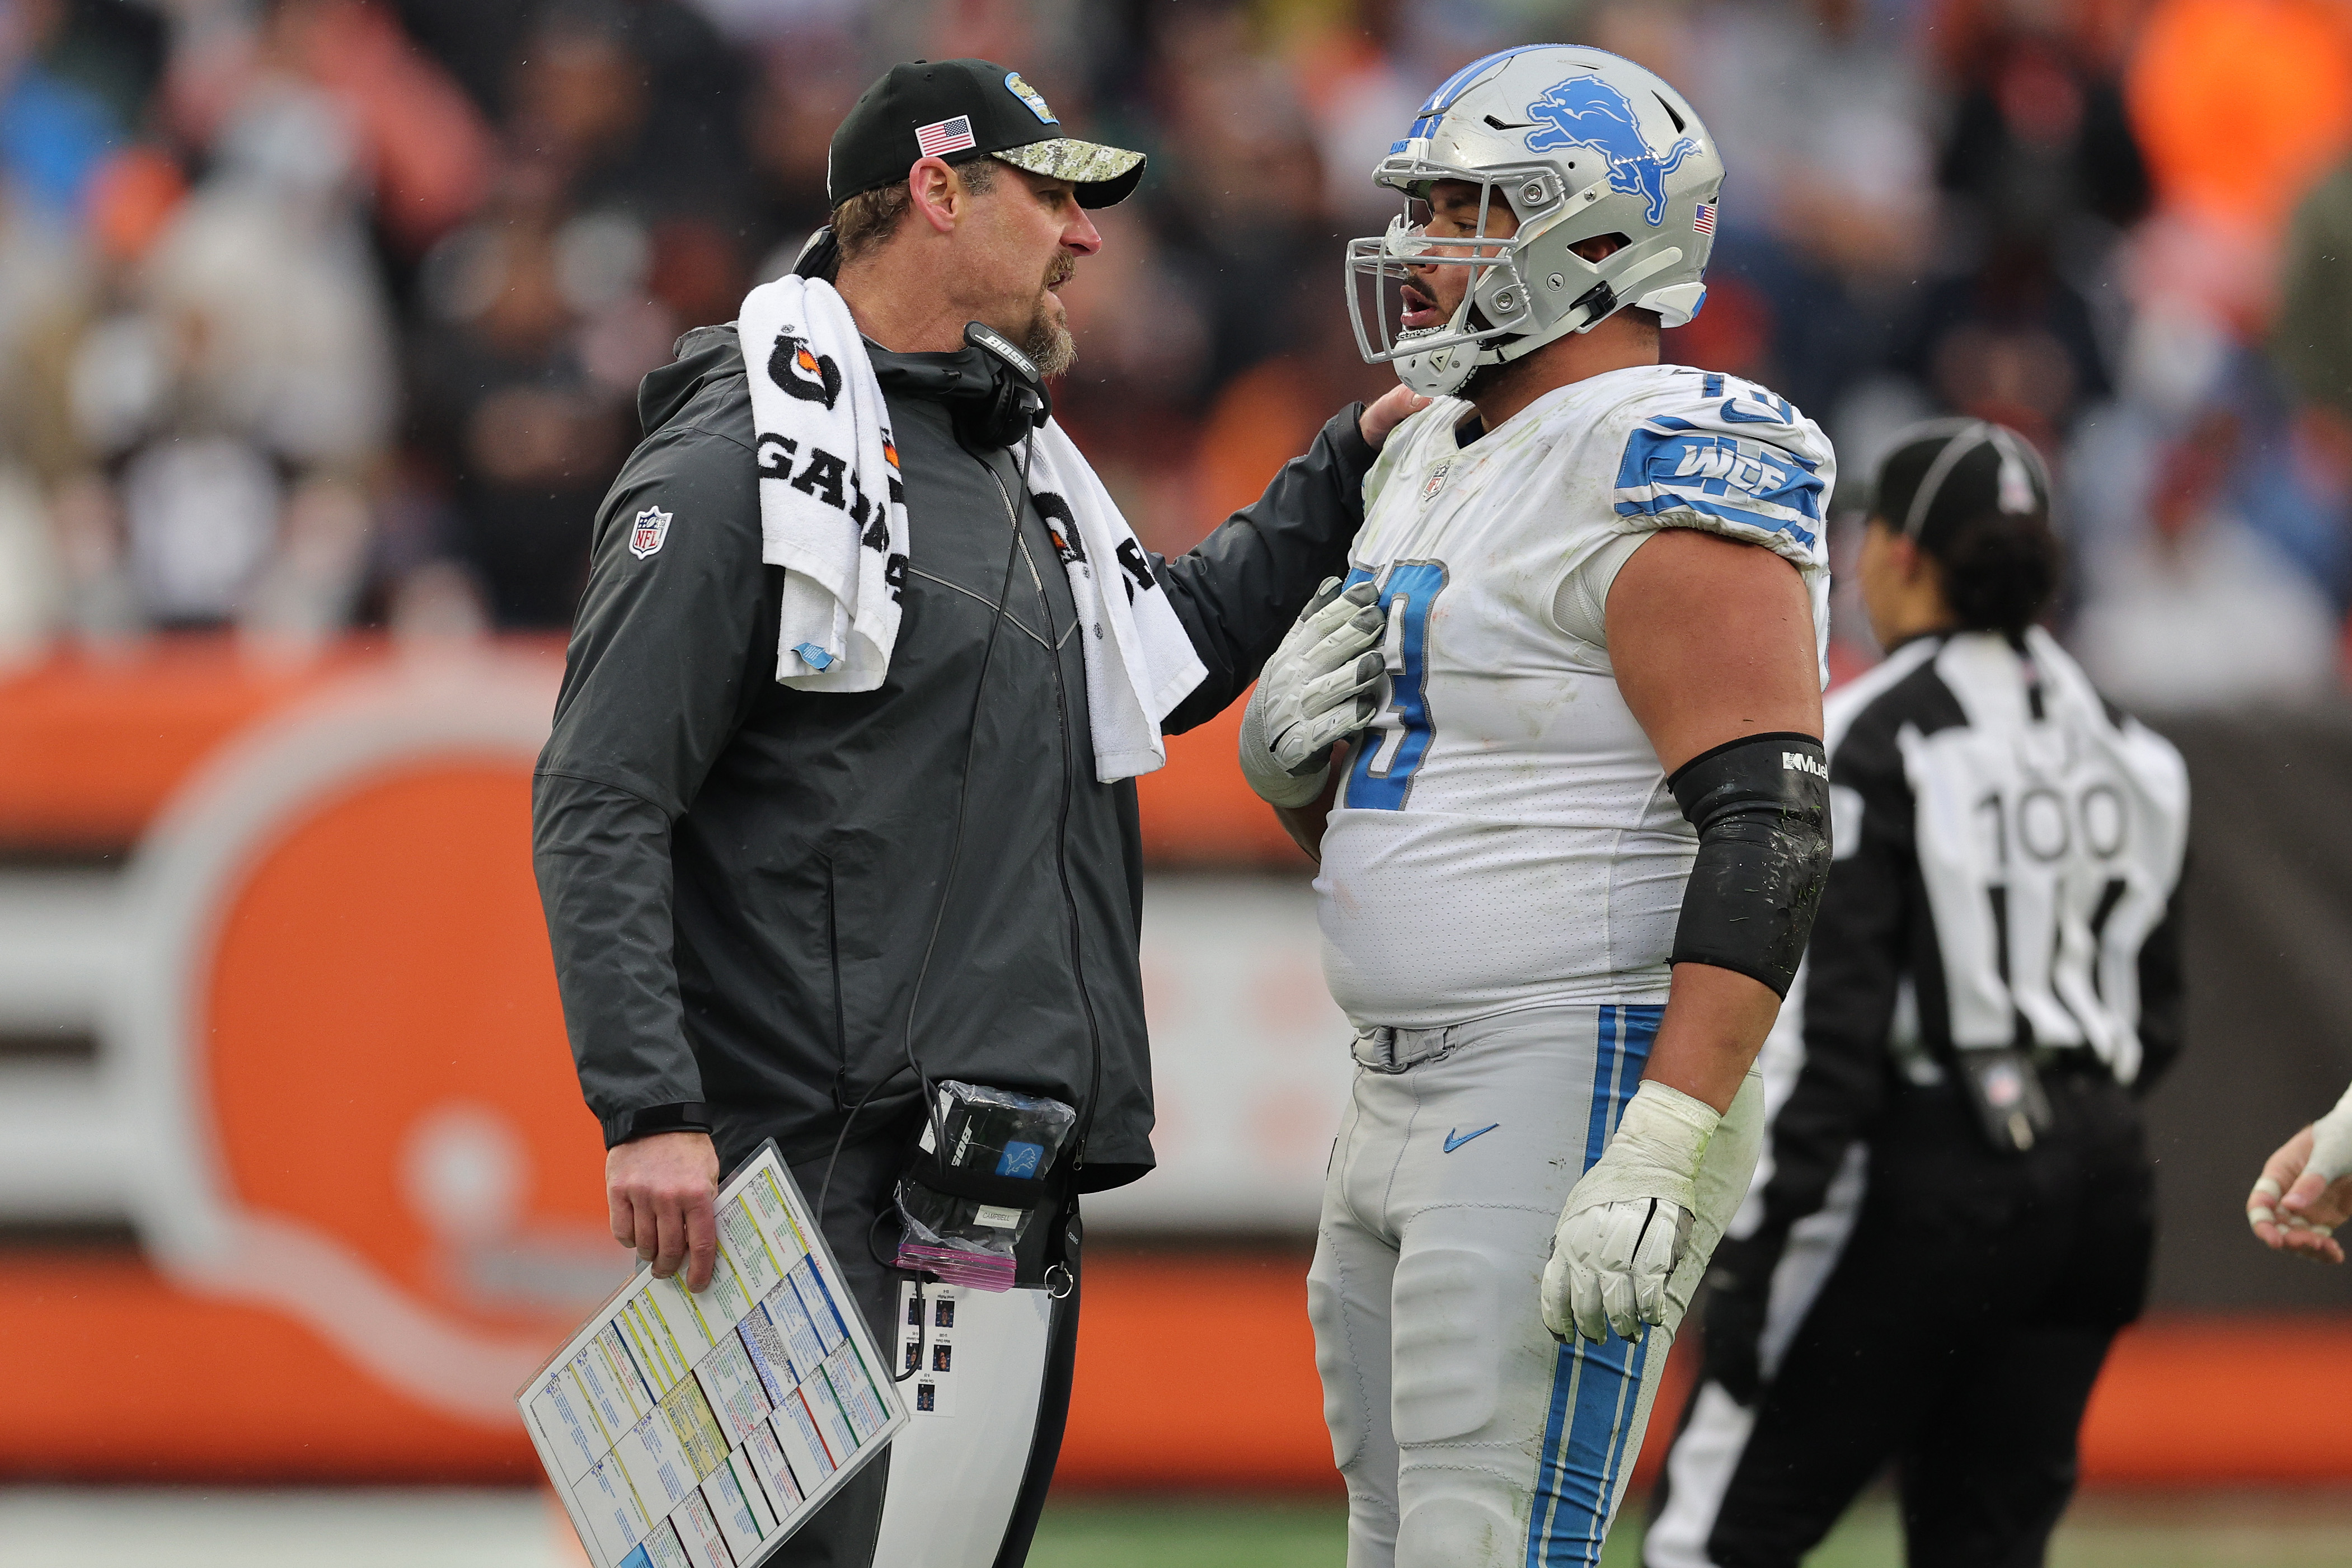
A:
[(651, 528), (1437, 477)]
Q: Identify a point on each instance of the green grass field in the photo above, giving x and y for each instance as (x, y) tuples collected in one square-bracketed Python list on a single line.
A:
[(2227, 1529), (389, 1527)]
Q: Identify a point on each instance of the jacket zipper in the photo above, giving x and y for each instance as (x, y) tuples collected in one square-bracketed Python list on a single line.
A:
[(1062, 826)]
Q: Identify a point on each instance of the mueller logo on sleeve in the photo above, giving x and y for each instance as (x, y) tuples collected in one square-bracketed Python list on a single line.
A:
[(1797, 762)]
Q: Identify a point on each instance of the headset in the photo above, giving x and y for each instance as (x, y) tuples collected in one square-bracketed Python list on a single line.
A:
[(1021, 402)]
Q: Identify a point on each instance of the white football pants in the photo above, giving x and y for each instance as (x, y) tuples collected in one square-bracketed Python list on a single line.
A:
[(956, 1468), (1466, 1433)]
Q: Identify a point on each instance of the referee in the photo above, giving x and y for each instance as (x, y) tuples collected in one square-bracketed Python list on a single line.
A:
[(768, 903), (1954, 1213)]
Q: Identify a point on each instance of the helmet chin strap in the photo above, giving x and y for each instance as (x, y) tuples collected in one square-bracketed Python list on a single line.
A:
[(1441, 371)]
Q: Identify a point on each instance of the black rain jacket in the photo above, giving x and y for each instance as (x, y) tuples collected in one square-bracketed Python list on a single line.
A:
[(742, 881)]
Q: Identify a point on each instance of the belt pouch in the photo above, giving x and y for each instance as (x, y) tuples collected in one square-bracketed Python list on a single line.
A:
[(982, 1169), (2005, 1091)]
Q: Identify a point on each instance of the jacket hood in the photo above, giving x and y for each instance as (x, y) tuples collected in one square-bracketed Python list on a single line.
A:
[(706, 354)]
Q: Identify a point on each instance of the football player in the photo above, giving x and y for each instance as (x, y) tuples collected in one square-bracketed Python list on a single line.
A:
[(1570, 867)]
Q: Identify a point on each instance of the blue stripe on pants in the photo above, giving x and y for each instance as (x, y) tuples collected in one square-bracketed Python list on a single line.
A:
[(1594, 1388)]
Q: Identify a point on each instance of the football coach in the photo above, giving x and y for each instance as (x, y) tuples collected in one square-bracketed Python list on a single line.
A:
[(840, 801)]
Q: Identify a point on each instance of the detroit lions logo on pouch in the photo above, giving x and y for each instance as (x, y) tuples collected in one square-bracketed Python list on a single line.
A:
[(809, 376), (1585, 111), (646, 535)]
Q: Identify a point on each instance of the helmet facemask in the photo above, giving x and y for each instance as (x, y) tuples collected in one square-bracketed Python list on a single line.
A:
[(1379, 268), (1526, 288)]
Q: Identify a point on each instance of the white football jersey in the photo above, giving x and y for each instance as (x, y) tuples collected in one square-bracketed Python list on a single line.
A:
[(1504, 837)]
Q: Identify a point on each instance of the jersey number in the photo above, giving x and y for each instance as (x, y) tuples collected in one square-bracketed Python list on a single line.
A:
[(1390, 753), (2045, 949)]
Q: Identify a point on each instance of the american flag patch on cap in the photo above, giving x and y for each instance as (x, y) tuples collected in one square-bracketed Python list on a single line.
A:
[(944, 136), (1704, 222)]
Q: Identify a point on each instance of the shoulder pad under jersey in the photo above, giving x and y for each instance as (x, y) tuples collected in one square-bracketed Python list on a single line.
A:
[(1703, 449)]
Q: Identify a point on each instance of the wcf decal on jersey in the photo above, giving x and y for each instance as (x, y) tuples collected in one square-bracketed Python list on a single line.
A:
[(1722, 458), (646, 534), (1671, 467)]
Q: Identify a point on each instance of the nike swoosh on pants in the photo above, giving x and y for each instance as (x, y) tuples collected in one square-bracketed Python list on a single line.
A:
[(1455, 1139)]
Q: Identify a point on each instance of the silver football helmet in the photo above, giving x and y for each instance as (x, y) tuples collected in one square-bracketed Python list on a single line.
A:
[(1575, 143)]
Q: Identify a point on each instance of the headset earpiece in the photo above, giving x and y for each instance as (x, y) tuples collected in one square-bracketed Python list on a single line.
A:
[(1019, 402), (820, 257)]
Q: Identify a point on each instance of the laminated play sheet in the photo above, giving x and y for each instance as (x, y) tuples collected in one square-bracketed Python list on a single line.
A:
[(698, 1431)]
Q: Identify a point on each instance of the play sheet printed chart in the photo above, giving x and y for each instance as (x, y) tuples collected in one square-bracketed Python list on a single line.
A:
[(702, 1430)]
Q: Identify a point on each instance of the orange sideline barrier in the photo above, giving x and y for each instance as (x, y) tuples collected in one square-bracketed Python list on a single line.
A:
[(1198, 811), (2204, 1401), (357, 997), (91, 747), (1199, 1371), (120, 1376), (1192, 1371)]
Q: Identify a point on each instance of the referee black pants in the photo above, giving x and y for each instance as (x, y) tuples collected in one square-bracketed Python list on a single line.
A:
[(859, 1223), (1958, 1336)]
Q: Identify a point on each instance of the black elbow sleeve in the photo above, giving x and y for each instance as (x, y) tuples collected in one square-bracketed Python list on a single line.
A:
[(1761, 805)]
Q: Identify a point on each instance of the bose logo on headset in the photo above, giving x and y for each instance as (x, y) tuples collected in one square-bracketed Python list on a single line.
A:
[(994, 340)]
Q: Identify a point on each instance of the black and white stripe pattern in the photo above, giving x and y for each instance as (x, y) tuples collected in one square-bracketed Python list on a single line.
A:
[(2008, 855)]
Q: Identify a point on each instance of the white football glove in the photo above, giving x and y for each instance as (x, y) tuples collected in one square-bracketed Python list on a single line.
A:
[(1628, 1220), (1320, 686), (2328, 1162), (2331, 1142)]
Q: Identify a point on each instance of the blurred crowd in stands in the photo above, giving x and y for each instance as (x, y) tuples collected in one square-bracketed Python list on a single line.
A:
[(328, 314)]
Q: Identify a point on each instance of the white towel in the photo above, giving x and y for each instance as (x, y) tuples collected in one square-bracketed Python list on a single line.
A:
[(832, 511), (833, 514)]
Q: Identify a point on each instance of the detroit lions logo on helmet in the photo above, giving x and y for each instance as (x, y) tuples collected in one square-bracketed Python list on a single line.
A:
[(812, 377), (1585, 111)]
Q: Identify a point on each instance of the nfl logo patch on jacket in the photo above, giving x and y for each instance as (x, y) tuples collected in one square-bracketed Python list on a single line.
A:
[(646, 535)]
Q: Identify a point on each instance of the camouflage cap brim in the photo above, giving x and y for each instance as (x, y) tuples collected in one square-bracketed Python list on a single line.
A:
[(1103, 176)]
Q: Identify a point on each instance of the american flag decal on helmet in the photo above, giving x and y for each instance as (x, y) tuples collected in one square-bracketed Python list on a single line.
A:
[(1704, 222), (944, 136)]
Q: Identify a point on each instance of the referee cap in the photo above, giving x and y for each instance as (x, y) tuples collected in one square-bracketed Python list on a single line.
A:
[(939, 109), (1947, 473)]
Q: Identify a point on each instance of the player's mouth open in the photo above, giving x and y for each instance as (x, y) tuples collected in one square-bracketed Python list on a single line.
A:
[(1420, 311)]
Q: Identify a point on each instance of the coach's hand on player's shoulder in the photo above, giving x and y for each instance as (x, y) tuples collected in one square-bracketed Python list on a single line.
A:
[(1388, 411), (663, 1190), (2296, 1209)]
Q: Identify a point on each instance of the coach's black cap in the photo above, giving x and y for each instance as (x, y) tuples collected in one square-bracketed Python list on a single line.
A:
[(942, 108)]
